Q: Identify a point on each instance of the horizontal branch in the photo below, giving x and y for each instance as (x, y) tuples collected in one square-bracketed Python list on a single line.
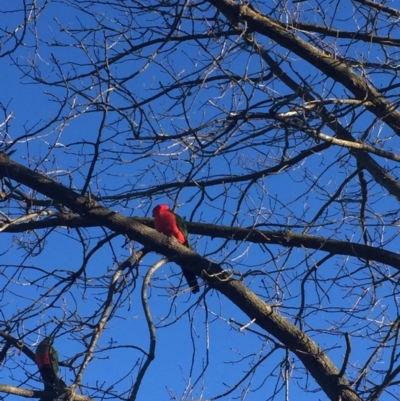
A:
[(291, 239), (286, 238), (380, 7), (7, 389), (359, 146), (342, 34)]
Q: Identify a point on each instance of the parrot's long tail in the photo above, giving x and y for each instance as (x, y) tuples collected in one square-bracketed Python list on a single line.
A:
[(191, 280)]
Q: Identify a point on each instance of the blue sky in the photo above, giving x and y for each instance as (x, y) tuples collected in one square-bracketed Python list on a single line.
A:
[(197, 344)]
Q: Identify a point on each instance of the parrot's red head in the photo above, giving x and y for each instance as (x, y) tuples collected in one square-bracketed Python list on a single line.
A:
[(160, 208)]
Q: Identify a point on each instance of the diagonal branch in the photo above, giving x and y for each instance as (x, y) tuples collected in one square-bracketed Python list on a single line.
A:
[(315, 360), (336, 69)]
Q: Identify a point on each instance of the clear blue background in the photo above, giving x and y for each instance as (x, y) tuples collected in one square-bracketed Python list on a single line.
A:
[(200, 352)]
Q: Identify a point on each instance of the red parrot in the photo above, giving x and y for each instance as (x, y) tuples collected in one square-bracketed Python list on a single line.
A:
[(172, 225), (47, 361)]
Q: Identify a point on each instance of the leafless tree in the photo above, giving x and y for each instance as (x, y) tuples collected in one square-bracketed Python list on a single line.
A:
[(272, 127)]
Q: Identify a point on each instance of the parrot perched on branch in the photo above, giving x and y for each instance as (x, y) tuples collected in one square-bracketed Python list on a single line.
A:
[(172, 225), (47, 361)]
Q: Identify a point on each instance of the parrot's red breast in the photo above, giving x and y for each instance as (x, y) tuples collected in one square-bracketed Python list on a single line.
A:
[(165, 222), (47, 360), (43, 360), (172, 225)]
